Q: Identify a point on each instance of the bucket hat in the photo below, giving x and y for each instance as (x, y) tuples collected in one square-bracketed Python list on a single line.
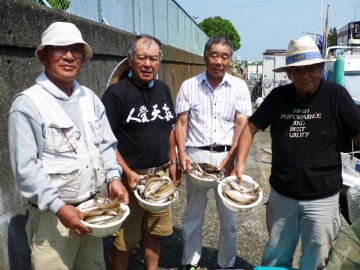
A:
[(63, 34), (301, 52)]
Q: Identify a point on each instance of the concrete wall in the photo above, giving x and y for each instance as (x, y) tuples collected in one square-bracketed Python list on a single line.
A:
[(22, 23)]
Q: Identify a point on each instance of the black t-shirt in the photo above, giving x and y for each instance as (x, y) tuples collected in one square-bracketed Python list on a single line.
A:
[(141, 119), (305, 133)]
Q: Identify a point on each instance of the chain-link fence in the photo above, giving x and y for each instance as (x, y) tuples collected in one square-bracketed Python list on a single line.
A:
[(164, 19)]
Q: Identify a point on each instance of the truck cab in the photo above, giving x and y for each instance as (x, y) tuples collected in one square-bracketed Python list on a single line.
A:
[(273, 58)]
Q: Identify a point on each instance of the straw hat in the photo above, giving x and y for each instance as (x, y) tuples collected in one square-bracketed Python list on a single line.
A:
[(118, 72), (63, 34), (301, 52)]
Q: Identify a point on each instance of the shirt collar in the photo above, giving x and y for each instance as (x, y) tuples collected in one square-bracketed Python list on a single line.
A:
[(45, 83), (226, 80)]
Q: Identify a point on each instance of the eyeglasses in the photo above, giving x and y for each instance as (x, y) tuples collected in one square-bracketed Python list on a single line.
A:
[(60, 51)]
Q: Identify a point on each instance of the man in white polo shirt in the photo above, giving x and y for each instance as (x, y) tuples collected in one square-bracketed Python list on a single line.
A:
[(212, 109)]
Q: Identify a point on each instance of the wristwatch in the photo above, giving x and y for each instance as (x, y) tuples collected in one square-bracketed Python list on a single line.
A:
[(172, 162), (113, 179)]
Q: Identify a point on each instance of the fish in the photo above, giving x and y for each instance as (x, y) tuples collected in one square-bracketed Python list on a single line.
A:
[(163, 193), (106, 203), (102, 211), (239, 192), (157, 189), (98, 219), (240, 198), (237, 186), (153, 187), (205, 171)]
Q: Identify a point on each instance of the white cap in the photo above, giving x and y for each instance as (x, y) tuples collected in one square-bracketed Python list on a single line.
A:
[(63, 34)]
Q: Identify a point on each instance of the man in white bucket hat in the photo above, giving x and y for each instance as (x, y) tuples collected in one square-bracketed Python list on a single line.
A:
[(306, 119), (62, 151)]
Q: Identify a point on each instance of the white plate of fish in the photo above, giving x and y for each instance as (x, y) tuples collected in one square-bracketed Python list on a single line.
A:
[(156, 192), (204, 175), (103, 215), (244, 193)]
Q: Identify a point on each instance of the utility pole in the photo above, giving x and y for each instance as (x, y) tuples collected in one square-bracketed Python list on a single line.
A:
[(321, 17), (326, 28), (355, 11)]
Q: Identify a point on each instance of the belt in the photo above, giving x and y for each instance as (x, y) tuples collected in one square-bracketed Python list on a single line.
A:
[(75, 204), (215, 148), (152, 170)]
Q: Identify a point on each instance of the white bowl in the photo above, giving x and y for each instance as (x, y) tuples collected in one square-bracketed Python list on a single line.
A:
[(105, 229), (233, 206), (154, 207)]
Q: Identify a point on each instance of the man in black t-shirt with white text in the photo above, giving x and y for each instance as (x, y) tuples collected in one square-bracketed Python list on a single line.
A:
[(306, 119), (141, 114)]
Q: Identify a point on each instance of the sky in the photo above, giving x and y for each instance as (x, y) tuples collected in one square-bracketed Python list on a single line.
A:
[(271, 24)]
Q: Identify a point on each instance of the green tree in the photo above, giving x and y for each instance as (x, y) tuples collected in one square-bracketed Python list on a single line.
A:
[(57, 4), (218, 26), (332, 37)]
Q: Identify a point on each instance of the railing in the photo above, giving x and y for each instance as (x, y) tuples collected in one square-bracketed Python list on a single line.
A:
[(164, 19)]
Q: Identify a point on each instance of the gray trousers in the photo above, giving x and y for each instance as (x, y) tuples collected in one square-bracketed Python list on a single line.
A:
[(315, 222)]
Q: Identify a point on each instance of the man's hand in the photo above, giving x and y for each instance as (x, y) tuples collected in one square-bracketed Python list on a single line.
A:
[(184, 161), (117, 189), (228, 164), (238, 170), (132, 179), (175, 174), (71, 217)]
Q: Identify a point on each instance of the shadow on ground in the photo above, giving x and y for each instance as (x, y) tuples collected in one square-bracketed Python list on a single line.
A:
[(170, 255)]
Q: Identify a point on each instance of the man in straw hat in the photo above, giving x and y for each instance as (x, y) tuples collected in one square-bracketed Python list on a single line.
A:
[(306, 119), (62, 151), (142, 116)]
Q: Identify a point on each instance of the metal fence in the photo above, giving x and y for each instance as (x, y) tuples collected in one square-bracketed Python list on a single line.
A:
[(164, 19)]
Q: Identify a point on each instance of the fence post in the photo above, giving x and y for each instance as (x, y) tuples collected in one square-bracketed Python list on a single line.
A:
[(133, 17), (153, 17), (100, 11), (167, 22)]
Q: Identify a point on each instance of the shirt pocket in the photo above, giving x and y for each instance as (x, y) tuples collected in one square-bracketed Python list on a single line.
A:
[(65, 176), (97, 131), (62, 139), (99, 171), (228, 111)]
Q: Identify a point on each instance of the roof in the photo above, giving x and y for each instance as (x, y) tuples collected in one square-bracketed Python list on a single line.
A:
[(274, 51)]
